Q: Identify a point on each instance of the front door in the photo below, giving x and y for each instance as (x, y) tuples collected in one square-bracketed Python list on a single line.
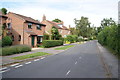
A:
[(32, 40)]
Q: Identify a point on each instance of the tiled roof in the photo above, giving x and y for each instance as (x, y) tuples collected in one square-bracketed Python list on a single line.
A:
[(54, 24), (31, 32), (28, 19), (65, 28)]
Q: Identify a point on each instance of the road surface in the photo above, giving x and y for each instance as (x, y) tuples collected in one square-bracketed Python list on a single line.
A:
[(88, 60)]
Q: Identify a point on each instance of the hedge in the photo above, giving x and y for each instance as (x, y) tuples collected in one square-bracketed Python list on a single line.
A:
[(52, 43), (110, 36), (71, 38), (9, 50)]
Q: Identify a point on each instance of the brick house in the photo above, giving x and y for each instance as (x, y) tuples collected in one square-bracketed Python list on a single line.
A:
[(60, 26), (24, 30)]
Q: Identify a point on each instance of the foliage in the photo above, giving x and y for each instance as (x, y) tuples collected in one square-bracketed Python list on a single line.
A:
[(6, 41), (4, 11), (64, 47), (74, 31), (107, 22), (55, 33), (71, 38), (9, 50), (57, 20), (82, 25), (46, 37), (110, 36), (30, 55), (52, 43)]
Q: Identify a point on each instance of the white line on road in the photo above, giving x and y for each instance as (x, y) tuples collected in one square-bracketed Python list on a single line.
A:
[(18, 66), (76, 62), (36, 59), (3, 68), (14, 64), (28, 63), (4, 71), (42, 57), (68, 72)]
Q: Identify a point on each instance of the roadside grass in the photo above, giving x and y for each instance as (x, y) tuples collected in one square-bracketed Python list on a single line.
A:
[(64, 47), (33, 55)]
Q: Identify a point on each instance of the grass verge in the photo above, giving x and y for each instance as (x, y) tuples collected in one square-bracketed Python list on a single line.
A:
[(64, 47), (30, 55)]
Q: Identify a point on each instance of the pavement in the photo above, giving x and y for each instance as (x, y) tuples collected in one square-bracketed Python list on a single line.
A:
[(6, 60), (88, 60)]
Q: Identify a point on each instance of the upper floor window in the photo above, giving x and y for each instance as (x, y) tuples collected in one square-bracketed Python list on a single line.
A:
[(29, 25), (19, 38), (38, 26), (9, 25)]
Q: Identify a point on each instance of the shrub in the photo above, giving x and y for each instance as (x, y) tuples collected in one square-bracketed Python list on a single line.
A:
[(9, 50), (46, 37), (71, 38), (52, 43), (110, 37), (6, 41)]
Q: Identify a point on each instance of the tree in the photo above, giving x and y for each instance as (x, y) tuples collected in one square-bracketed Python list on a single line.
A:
[(4, 11), (57, 20), (82, 26), (55, 33), (107, 22), (74, 31)]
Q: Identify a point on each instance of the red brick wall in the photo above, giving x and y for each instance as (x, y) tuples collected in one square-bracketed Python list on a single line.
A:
[(17, 27)]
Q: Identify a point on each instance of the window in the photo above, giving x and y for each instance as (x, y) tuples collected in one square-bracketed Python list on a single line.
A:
[(39, 39), (12, 38), (9, 25), (29, 25), (38, 27), (19, 38)]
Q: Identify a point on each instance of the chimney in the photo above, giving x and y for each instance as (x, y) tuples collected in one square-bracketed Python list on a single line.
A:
[(44, 17)]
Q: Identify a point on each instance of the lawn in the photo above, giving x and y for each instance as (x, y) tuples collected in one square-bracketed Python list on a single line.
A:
[(30, 55), (64, 47)]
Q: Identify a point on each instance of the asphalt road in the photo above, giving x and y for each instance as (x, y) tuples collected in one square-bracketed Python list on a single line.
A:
[(82, 61)]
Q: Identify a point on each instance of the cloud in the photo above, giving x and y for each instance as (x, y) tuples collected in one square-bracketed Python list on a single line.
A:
[(65, 10)]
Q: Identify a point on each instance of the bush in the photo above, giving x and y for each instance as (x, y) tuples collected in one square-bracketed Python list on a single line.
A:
[(71, 38), (6, 41), (46, 37), (110, 36), (52, 43), (9, 50)]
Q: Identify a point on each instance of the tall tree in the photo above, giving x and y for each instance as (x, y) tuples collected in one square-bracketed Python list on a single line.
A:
[(57, 20), (107, 22), (82, 26), (4, 11), (55, 33)]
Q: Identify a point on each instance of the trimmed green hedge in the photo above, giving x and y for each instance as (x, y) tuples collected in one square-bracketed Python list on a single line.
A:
[(9, 50), (110, 36), (52, 43)]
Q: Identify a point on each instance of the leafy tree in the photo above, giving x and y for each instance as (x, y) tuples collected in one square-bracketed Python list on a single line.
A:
[(57, 20), (4, 11), (107, 22), (82, 26), (55, 33)]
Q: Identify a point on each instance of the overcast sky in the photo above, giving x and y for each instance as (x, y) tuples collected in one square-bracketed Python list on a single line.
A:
[(65, 10)]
